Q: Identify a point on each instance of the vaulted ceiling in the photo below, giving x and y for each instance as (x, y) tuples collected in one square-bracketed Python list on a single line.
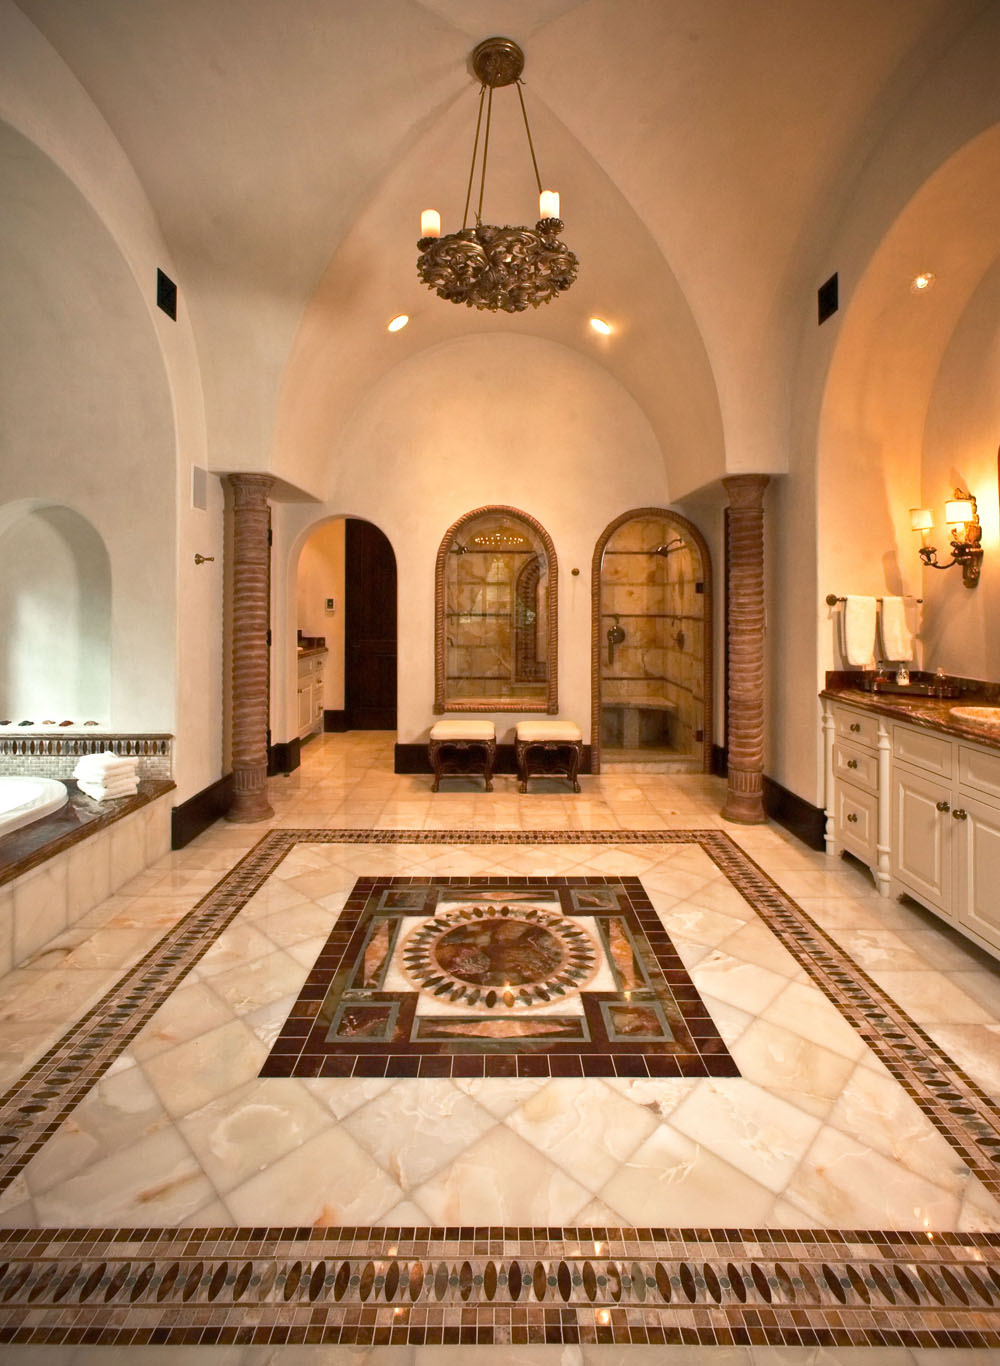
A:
[(703, 153)]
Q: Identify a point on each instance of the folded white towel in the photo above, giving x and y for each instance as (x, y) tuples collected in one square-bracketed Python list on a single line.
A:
[(897, 642), (101, 792), (858, 623), (98, 766)]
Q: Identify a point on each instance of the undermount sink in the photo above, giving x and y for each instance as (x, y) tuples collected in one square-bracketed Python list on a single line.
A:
[(977, 716)]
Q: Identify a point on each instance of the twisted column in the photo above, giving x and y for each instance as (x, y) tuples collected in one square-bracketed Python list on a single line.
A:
[(249, 646), (745, 739)]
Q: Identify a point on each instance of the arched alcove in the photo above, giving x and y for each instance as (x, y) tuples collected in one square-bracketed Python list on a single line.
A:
[(55, 616)]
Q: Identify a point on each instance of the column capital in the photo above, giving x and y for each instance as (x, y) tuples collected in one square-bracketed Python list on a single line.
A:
[(250, 490), (746, 490)]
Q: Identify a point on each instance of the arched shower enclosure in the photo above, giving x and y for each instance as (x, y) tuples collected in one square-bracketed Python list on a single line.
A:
[(651, 678)]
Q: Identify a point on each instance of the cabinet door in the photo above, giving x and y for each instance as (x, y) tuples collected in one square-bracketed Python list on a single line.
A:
[(305, 705), (977, 846), (922, 837)]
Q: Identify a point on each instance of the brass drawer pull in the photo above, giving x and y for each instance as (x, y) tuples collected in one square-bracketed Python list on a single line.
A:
[(853, 818), (942, 806), (960, 814), (852, 763), (855, 726)]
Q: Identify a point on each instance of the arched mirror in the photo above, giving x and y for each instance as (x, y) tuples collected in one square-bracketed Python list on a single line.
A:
[(495, 629), (652, 645)]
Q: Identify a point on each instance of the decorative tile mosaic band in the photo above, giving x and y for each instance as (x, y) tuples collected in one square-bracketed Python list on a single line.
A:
[(416, 1286), (45, 755), (488, 1285), (499, 977)]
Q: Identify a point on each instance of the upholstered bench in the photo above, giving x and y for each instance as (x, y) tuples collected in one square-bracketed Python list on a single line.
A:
[(460, 748), (548, 748)]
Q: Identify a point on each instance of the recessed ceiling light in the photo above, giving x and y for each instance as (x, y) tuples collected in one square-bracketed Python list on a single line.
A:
[(599, 325), (921, 283), (400, 320)]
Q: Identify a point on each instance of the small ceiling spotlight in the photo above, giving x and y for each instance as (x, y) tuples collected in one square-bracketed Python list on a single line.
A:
[(599, 325), (398, 322), (921, 283)]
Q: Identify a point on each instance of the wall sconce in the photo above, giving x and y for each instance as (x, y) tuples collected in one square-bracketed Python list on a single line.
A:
[(963, 519)]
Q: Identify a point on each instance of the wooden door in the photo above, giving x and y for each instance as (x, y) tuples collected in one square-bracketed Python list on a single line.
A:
[(369, 628)]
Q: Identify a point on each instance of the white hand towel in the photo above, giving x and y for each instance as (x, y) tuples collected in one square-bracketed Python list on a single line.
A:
[(99, 766), (897, 642), (858, 622), (101, 793)]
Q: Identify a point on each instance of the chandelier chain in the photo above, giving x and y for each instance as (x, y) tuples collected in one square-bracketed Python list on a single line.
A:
[(486, 148), (527, 129), (472, 167)]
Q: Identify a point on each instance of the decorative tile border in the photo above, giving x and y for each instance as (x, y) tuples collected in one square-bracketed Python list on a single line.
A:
[(46, 755), (491, 1286), (355, 1016), (487, 1285)]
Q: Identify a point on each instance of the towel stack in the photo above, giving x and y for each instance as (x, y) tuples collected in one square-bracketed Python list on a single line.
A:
[(107, 775)]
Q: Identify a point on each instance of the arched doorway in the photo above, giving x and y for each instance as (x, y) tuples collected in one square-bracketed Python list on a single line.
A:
[(346, 606), (651, 680)]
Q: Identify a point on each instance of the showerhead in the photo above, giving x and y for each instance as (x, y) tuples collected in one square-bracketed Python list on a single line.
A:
[(669, 547)]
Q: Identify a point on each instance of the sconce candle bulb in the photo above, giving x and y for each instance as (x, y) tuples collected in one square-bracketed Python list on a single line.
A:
[(962, 517)]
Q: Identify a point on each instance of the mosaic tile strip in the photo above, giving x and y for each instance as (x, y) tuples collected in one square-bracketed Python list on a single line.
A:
[(725, 1287), (48, 755), (499, 977)]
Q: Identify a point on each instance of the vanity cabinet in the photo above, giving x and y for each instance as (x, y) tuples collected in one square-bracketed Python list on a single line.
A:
[(922, 810), (310, 693)]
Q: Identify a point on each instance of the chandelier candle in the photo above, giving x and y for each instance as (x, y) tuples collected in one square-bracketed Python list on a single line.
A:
[(488, 267)]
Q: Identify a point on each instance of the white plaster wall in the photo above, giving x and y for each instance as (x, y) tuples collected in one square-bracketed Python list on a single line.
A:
[(960, 449), (490, 419), (180, 676), (55, 617), (321, 576)]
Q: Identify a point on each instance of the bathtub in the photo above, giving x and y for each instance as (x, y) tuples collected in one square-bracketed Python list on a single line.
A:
[(23, 800)]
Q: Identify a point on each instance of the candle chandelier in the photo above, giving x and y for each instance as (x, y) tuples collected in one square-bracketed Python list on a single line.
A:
[(489, 267)]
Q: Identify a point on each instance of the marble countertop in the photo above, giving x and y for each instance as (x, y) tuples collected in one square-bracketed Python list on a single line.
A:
[(933, 713)]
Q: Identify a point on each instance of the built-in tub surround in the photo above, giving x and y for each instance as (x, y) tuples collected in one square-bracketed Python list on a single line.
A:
[(55, 870)]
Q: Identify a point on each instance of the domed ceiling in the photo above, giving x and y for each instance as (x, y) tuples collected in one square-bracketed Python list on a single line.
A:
[(702, 152)]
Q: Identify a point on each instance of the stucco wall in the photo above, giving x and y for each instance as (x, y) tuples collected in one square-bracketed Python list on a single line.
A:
[(494, 419)]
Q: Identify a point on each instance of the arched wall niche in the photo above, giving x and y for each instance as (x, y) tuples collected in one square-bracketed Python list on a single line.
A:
[(639, 532), (55, 616)]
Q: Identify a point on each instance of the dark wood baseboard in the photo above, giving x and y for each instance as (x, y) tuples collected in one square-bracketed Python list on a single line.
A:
[(805, 821), (200, 811), (416, 759), (334, 722), (284, 757)]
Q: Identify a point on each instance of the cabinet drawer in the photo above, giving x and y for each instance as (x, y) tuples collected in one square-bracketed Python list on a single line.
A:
[(858, 766), (857, 821), (853, 726), (979, 770), (932, 753)]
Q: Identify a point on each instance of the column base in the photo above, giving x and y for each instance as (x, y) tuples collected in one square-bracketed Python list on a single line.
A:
[(744, 803), (250, 796)]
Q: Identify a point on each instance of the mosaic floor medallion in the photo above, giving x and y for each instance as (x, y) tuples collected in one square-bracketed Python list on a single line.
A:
[(498, 977)]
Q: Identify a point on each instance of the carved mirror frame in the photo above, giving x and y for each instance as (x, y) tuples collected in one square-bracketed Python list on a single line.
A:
[(549, 703), (692, 534)]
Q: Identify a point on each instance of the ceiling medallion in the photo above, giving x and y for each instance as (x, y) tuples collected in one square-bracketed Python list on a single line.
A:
[(489, 267)]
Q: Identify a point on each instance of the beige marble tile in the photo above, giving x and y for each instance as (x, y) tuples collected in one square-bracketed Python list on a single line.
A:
[(791, 1067), (194, 1073), (501, 1179)]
